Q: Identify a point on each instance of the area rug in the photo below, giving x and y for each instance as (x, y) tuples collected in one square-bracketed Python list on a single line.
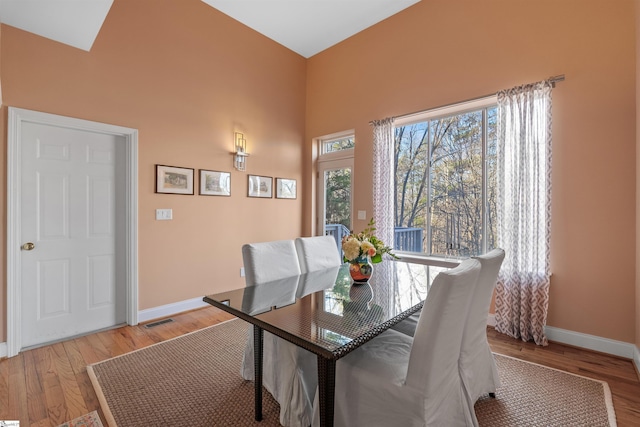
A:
[(535, 395), (92, 419), (194, 380)]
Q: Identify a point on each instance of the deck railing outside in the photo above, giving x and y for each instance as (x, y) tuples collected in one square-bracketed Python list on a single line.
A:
[(405, 238), (337, 231), (408, 239)]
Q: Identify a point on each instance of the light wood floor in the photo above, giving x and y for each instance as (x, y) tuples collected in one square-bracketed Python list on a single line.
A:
[(49, 385)]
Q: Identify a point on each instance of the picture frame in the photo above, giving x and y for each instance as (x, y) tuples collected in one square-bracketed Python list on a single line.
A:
[(174, 180), (214, 183), (286, 188), (260, 186)]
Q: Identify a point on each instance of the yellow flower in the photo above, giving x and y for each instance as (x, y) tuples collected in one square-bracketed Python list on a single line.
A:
[(351, 248), (368, 248)]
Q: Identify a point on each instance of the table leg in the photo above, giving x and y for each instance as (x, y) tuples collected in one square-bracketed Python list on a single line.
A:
[(326, 390), (258, 336)]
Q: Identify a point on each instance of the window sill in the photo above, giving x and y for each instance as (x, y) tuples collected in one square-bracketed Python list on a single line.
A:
[(428, 260)]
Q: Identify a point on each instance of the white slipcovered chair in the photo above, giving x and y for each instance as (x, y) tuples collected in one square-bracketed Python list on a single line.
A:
[(397, 380), (275, 266), (320, 261), (315, 253), (477, 364), (268, 261)]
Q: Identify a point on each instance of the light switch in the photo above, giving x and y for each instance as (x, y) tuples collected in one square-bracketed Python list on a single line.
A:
[(362, 214), (164, 214)]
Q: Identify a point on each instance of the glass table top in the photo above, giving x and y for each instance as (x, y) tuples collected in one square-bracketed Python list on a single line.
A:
[(325, 312)]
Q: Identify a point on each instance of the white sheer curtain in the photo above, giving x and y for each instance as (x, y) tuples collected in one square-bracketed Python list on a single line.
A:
[(524, 210), (383, 180)]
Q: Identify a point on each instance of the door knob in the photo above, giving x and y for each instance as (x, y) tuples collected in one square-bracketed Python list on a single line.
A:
[(28, 246)]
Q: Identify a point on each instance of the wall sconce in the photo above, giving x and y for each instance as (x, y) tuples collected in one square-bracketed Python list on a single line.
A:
[(240, 154)]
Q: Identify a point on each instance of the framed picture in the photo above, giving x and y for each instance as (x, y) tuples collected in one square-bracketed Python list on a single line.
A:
[(214, 183), (174, 180), (286, 188), (260, 186)]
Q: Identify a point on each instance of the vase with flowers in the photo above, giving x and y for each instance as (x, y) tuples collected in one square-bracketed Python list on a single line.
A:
[(362, 250)]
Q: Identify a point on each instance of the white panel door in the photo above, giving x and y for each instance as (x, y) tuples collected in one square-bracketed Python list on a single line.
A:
[(72, 276)]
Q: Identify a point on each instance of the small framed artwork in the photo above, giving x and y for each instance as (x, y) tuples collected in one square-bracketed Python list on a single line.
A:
[(260, 186), (214, 183), (174, 180), (286, 188)]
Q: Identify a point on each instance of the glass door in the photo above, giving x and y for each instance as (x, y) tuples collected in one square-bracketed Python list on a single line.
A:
[(335, 197)]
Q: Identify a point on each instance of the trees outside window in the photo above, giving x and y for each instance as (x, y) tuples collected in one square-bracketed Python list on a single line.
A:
[(445, 181)]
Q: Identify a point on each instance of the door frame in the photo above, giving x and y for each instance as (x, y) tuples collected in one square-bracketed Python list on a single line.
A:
[(16, 117)]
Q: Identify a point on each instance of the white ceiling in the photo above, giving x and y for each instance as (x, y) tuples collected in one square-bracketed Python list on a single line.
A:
[(72, 22), (309, 26), (304, 26)]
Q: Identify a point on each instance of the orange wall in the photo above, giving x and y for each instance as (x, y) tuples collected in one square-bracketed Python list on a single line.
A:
[(186, 76), (439, 52)]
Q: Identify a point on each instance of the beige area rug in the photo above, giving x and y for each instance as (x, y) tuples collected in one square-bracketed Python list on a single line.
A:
[(92, 419), (194, 380)]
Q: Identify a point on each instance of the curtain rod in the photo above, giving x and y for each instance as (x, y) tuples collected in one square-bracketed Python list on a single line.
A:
[(553, 80)]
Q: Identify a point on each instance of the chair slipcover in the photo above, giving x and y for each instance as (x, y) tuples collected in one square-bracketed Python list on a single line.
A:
[(315, 253), (477, 364), (267, 261), (272, 265), (397, 380), (320, 260)]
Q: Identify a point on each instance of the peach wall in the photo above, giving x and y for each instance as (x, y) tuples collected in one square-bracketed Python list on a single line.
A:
[(186, 76), (439, 52)]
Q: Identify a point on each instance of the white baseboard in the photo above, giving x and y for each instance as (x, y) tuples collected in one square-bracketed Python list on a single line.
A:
[(170, 309), (591, 342), (491, 320), (150, 314)]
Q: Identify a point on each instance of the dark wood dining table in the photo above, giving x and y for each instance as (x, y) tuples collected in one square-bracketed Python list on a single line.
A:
[(328, 314)]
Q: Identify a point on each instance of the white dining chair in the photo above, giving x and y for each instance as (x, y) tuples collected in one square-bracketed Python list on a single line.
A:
[(318, 252), (267, 261), (275, 266), (477, 364), (397, 380), (320, 262)]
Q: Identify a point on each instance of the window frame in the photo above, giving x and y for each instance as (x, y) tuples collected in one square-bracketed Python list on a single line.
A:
[(483, 104), (331, 161)]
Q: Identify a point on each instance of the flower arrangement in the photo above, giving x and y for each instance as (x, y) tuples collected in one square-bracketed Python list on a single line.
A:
[(365, 243)]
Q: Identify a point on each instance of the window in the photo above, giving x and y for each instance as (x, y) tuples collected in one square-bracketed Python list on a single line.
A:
[(338, 144), (445, 180)]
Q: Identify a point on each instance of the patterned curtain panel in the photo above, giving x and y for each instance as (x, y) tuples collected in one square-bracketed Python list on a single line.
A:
[(383, 185), (383, 181), (524, 210)]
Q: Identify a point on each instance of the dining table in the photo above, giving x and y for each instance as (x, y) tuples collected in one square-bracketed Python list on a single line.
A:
[(327, 313)]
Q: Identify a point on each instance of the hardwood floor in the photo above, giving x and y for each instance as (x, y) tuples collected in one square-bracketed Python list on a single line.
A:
[(49, 385)]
